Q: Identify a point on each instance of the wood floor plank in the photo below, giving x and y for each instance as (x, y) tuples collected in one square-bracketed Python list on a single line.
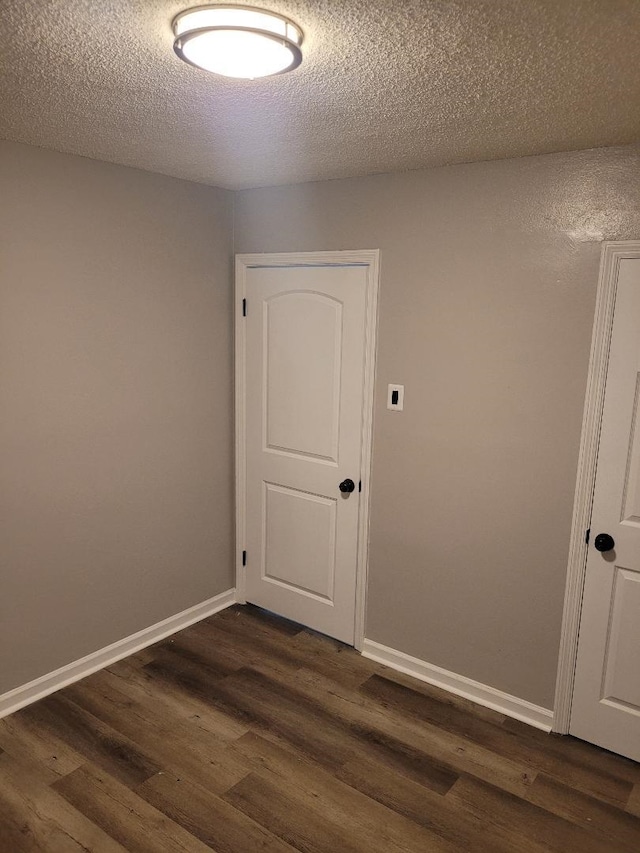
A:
[(306, 648), (577, 752), (140, 695), (239, 649), (218, 650), (633, 803), (416, 706), (465, 829), (331, 738), (313, 825), (214, 821), (171, 672), (302, 829), (140, 685), (323, 735), (446, 699), (32, 742), (169, 746), (123, 815), (287, 654), (321, 793), (96, 741), (141, 658), (256, 619), (180, 674), (333, 659), (16, 833), (236, 643), (613, 826), (387, 735), (202, 653), (44, 820), (505, 812)]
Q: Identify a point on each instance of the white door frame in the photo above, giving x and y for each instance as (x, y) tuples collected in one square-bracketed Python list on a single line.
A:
[(369, 258), (612, 254)]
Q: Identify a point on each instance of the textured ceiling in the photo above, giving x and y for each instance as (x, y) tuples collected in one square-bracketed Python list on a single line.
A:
[(383, 86)]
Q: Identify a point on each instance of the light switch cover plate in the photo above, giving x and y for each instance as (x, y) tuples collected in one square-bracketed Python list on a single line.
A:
[(395, 398)]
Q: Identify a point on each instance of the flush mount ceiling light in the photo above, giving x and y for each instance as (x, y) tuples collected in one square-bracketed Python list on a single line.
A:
[(237, 41)]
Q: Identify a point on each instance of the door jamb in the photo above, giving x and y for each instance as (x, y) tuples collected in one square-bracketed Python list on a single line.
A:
[(612, 253), (364, 257)]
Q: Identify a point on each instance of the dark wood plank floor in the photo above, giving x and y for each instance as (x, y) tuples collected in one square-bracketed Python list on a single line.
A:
[(247, 733)]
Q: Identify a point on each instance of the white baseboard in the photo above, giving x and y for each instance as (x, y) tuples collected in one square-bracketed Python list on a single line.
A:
[(506, 704), (59, 678)]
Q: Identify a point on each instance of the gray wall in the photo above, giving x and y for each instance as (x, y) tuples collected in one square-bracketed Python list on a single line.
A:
[(115, 393), (489, 274), (116, 402)]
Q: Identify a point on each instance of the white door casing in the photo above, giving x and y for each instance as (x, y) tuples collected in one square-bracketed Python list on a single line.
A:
[(606, 698), (304, 389)]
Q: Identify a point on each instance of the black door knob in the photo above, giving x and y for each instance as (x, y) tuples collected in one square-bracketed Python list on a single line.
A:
[(347, 486), (604, 542)]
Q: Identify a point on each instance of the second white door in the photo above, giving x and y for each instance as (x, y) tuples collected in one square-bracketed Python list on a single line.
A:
[(304, 373), (606, 699)]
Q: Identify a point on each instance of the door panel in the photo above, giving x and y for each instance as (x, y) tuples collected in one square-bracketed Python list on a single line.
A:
[(606, 700), (300, 541), (631, 499), (302, 335), (305, 347), (621, 682)]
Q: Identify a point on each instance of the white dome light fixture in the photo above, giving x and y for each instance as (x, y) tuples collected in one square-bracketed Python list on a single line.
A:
[(237, 41)]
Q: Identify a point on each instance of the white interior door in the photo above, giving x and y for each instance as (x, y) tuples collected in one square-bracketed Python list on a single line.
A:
[(606, 699), (305, 335)]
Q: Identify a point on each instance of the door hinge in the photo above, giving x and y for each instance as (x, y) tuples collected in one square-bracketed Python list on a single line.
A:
[(244, 558), (587, 535), (244, 307)]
